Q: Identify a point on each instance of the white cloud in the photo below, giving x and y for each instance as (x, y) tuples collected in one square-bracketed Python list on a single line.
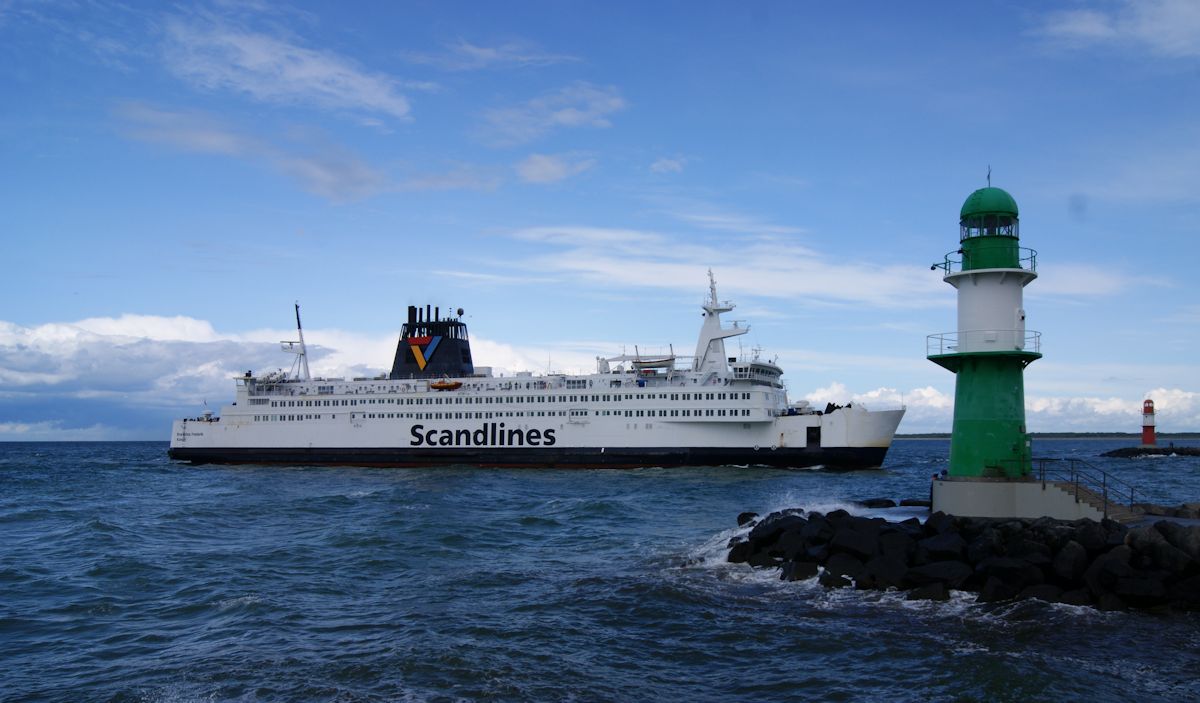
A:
[(577, 105), (272, 69), (1087, 280), (462, 55), (55, 431), (769, 266), (1078, 26), (551, 168), (731, 222), (1165, 27), (457, 177), (665, 165), (324, 170)]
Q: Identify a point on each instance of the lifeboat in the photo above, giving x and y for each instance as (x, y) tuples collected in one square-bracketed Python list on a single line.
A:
[(445, 385)]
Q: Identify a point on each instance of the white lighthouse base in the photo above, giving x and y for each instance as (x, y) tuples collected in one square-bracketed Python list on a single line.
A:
[(972, 497)]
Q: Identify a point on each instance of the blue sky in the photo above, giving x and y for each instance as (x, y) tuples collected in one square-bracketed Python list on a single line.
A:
[(174, 176)]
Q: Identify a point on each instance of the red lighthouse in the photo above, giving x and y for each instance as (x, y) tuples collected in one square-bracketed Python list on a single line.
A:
[(1148, 423)]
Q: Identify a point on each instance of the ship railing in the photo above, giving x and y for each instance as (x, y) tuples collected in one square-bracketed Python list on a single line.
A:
[(983, 340), (1083, 478), (1026, 259)]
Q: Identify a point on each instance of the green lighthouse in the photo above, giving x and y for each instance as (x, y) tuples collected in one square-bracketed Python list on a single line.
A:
[(991, 348)]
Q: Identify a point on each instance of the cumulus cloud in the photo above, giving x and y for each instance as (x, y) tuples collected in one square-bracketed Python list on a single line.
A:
[(551, 168), (273, 69), (1164, 27), (577, 105), (665, 165), (462, 55)]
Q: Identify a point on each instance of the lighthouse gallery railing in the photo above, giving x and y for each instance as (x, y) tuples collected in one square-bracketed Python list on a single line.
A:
[(983, 340)]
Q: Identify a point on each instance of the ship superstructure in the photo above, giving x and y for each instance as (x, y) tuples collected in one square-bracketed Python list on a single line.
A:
[(435, 407)]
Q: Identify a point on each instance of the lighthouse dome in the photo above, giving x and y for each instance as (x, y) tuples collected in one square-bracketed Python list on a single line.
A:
[(989, 201)]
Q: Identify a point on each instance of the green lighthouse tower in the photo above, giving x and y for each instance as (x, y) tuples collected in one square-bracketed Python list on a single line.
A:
[(991, 348)]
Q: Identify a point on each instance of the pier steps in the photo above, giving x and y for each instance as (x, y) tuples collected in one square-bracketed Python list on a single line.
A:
[(1119, 512)]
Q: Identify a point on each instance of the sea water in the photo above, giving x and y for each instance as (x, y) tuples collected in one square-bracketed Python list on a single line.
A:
[(126, 577)]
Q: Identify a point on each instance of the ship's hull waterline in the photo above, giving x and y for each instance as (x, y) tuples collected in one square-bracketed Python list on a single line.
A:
[(842, 458)]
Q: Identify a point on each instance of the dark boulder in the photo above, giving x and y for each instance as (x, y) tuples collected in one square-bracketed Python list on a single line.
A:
[(1142, 590), (838, 517), (897, 545), (952, 573), (914, 503), (842, 564), (1089, 534), (989, 543), (1143, 539), (941, 547), (789, 544), (930, 591), (768, 530), (849, 540), (1029, 550), (1070, 562), (875, 503), (1183, 538), (1114, 532), (798, 570), (1109, 602), (1171, 560), (885, 572), (1014, 574), (763, 559), (744, 518), (938, 523), (1104, 572), (817, 530), (818, 553), (995, 590), (739, 552), (1186, 592), (829, 580), (1078, 596)]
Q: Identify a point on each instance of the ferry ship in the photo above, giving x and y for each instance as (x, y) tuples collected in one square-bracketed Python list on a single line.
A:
[(435, 407)]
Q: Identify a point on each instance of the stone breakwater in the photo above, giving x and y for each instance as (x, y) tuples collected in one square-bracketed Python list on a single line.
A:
[(1134, 452), (1101, 564)]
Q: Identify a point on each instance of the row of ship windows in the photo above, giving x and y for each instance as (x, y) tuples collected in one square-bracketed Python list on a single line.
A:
[(719, 412), (599, 398)]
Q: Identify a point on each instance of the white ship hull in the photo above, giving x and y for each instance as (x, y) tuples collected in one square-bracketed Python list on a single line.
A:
[(847, 438)]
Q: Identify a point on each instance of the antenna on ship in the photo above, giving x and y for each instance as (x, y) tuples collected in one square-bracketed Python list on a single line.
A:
[(300, 367)]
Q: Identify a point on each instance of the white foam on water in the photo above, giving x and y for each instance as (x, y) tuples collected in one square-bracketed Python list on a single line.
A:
[(239, 601)]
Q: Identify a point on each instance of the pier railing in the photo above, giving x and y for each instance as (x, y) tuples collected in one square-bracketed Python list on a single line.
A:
[(1083, 478)]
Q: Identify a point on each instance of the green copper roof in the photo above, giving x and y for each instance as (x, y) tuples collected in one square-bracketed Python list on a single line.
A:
[(989, 201)]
